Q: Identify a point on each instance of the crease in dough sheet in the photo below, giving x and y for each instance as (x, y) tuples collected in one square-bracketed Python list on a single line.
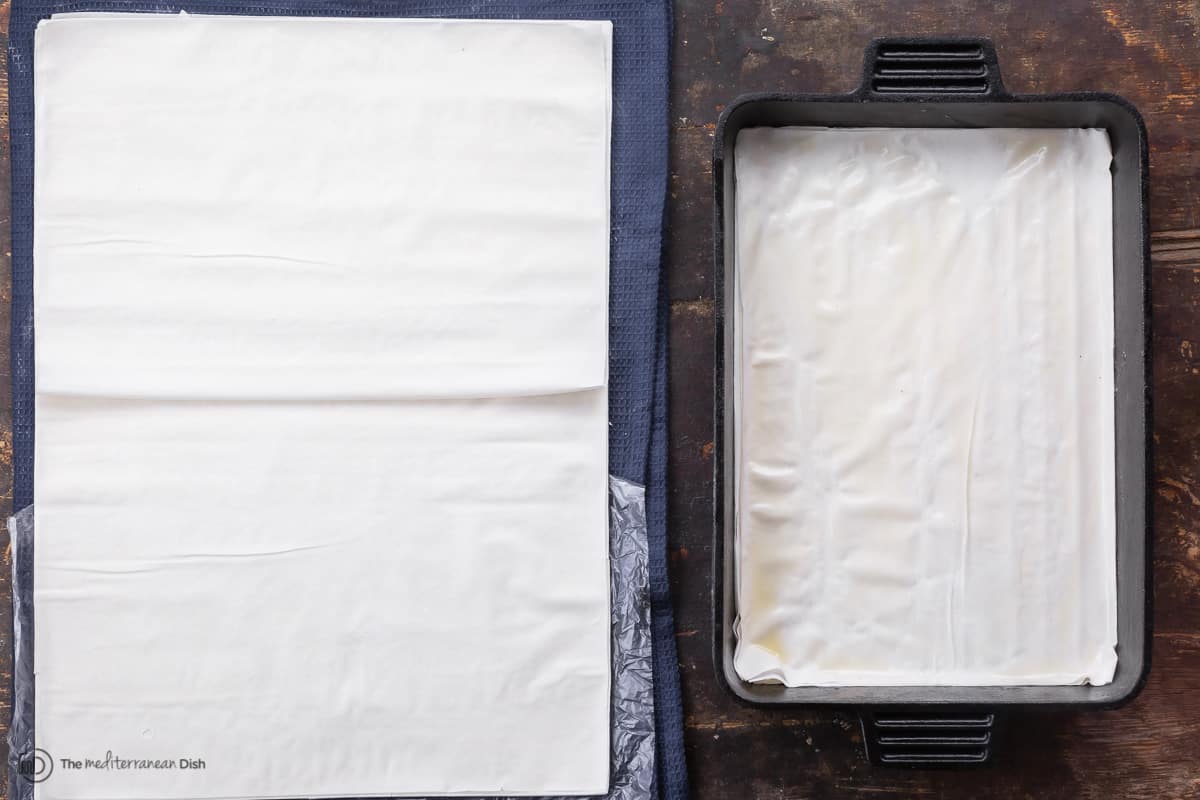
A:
[(321, 457), (925, 475)]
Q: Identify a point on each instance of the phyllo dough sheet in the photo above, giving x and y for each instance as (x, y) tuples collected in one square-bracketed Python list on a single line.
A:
[(924, 407), (321, 442)]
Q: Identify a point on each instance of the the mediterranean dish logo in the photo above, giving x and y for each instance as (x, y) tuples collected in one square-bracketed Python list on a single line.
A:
[(38, 765)]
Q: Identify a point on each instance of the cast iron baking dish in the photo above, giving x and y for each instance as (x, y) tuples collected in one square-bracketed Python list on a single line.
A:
[(955, 83)]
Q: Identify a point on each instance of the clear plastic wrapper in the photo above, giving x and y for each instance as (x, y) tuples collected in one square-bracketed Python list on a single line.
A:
[(24, 765)]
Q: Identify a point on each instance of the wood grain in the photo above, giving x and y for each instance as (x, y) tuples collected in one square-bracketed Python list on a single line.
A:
[(1148, 52)]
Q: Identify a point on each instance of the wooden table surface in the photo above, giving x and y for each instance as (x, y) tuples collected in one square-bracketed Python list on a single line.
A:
[(1147, 51), (1150, 53)]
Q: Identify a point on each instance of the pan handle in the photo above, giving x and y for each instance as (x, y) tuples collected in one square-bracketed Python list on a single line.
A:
[(923, 738), (944, 69)]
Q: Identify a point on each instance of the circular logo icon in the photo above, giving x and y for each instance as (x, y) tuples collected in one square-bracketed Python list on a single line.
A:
[(35, 767)]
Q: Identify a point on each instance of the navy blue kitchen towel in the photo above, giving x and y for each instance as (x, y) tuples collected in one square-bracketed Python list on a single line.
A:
[(637, 343)]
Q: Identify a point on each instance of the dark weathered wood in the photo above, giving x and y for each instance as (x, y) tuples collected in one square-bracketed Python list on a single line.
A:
[(1148, 52)]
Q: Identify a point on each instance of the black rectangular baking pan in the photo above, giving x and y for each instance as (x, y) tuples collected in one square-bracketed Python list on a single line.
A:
[(955, 83)]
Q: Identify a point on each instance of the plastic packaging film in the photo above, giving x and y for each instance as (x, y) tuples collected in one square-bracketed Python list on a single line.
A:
[(26, 764), (924, 402), (632, 681)]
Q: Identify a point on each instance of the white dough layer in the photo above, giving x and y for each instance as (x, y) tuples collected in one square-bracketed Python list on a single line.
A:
[(924, 407), (322, 406)]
